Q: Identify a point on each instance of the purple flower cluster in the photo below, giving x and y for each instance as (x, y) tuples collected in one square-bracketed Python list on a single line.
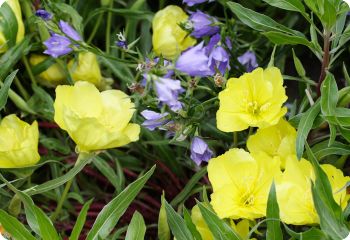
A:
[(203, 60), (58, 45), (200, 151), (168, 91)]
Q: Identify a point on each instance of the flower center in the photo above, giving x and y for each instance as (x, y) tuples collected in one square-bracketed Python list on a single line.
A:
[(248, 199), (253, 108)]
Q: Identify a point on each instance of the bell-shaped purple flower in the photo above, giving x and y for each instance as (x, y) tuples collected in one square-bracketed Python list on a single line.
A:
[(248, 60), (168, 91), (69, 31), (200, 151), (194, 62), (190, 3), (153, 119), (219, 59), (203, 24), (45, 15), (57, 45)]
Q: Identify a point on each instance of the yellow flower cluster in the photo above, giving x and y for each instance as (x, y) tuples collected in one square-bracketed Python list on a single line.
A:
[(168, 37), (241, 180)]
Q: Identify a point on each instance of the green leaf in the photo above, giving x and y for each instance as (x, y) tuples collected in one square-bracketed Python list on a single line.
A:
[(259, 21), (188, 220), (322, 149), (69, 12), (330, 213), (137, 228), (111, 213), (290, 5), (79, 224), (55, 144), (311, 234), (329, 95), (345, 132), (108, 172), (218, 227), (14, 227), (42, 102), (298, 65), (4, 91), (177, 224), (8, 24), (324, 10), (305, 126), (281, 38), (163, 227), (274, 231), (47, 230)]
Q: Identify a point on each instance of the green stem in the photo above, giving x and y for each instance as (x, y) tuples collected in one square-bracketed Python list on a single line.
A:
[(235, 139), (108, 28), (21, 89), (29, 70), (94, 30)]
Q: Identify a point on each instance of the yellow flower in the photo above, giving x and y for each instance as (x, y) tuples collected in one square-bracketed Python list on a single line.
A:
[(95, 120), (277, 141), (241, 183), (52, 76), (168, 37), (85, 69), (16, 8), (200, 223), (294, 194), (18, 143), (254, 99)]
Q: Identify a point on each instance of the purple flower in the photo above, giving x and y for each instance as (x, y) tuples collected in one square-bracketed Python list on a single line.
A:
[(153, 119), (69, 31), (218, 57), (194, 62), (168, 91), (248, 60), (194, 2), (203, 24), (45, 15), (200, 151), (122, 44), (57, 45)]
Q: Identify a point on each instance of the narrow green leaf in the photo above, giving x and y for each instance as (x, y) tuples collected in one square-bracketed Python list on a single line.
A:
[(188, 220), (137, 228), (47, 230), (329, 95), (79, 224), (298, 65), (311, 234), (345, 132), (322, 149), (218, 227), (14, 227), (305, 126), (108, 172), (274, 231), (4, 91), (281, 38), (177, 224), (290, 5), (163, 227), (8, 24), (112, 212)]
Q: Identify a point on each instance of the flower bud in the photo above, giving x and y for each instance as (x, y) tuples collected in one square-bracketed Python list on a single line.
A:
[(52, 76), (168, 37), (18, 143), (15, 7)]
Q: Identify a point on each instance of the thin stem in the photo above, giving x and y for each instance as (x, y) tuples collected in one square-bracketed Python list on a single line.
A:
[(235, 139), (21, 89), (29, 70), (94, 30), (325, 60), (108, 28)]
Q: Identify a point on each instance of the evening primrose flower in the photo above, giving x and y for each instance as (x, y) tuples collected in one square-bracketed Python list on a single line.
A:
[(94, 120), (281, 141), (86, 68), (241, 183), (18, 143), (169, 39), (294, 193), (52, 76), (16, 8), (255, 99)]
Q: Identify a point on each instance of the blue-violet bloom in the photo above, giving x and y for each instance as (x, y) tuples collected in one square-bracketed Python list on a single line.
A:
[(203, 24), (168, 91), (190, 3), (218, 57), (57, 45), (200, 151), (153, 119), (69, 31), (45, 15), (248, 60)]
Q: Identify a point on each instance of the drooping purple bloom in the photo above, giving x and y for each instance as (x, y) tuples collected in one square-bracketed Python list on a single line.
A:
[(153, 119), (168, 91), (219, 59), (194, 2), (194, 62), (248, 60), (203, 24), (200, 151), (122, 44), (57, 45), (45, 15), (69, 31)]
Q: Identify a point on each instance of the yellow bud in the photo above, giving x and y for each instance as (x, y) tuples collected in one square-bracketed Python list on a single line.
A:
[(52, 76), (95, 120), (168, 37), (18, 143), (15, 7), (86, 68)]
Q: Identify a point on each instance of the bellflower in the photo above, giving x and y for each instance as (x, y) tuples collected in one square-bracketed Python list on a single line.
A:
[(45, 15), (194, 62), (190, 3), (57, 45), (248, 60), (203, 24), (200, 151), (218, 56), (168, 91), (153, 119), (69, 31)]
